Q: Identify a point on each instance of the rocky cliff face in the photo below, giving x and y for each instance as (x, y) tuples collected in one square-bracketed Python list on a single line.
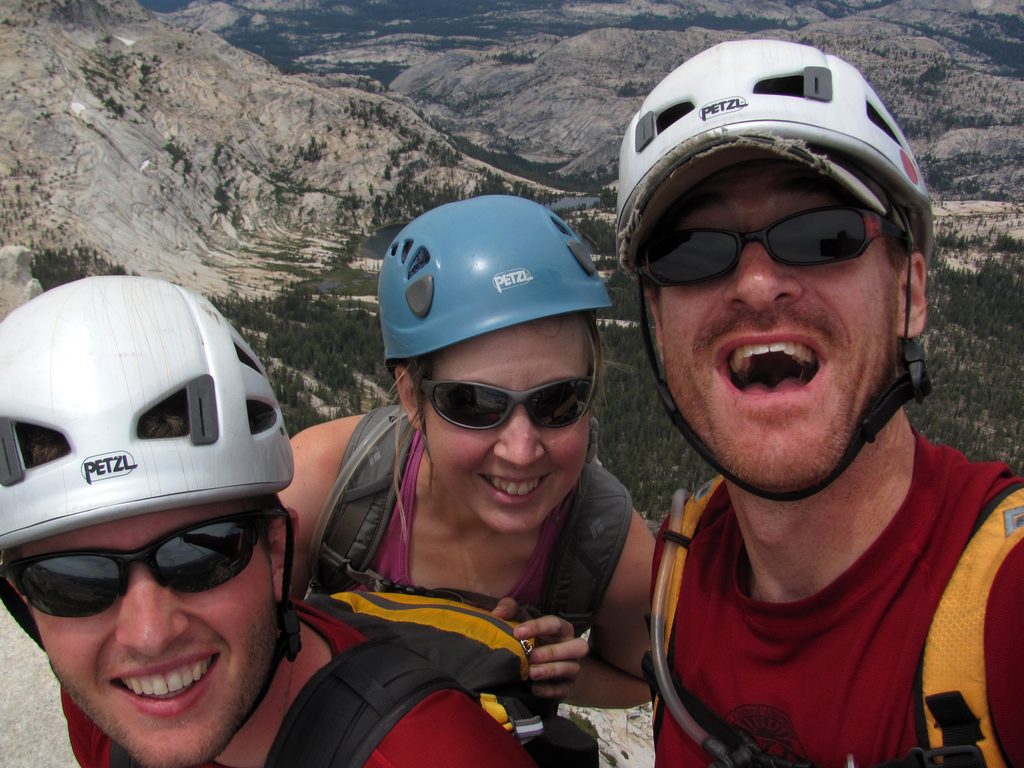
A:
[(176, 155), (16, 282), (558, 83), (567, 100)]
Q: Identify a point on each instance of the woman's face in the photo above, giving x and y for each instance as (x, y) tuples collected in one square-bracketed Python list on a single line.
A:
[(513, 475)]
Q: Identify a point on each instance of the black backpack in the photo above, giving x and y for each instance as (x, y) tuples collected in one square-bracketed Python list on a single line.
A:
[(351, 704)]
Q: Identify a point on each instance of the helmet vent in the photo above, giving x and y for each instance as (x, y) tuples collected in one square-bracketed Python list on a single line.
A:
[(41, 445), (34, 445), (672, 114), (813, 83), (561, 227), (191, 411), (246, 359), (406, 247), (875, 117), (168, 418), (419, 261), (791, 85), (261, 416)]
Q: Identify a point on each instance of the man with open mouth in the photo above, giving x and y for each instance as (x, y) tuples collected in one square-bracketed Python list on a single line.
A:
[(780, 231), (144, 547)]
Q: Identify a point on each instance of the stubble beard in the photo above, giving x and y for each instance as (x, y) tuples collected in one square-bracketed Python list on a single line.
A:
[(776, 468), (205, 746)]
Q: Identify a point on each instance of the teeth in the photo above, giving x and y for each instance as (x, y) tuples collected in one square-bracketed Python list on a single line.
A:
[(513, 488), (161, 685), (739, 361), (799, 362)]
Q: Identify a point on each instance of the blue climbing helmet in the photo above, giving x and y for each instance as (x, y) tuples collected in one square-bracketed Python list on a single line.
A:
[(468, 268)]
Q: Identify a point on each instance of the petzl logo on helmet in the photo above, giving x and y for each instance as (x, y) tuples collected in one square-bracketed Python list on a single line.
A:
[(106, 466), (511, 278), (732, 104)]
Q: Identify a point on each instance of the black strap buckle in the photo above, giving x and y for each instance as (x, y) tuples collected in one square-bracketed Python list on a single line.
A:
[(958, 756)]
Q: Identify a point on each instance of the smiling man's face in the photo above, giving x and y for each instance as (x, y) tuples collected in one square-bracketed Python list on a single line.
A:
[(774, 365), (168, 675)]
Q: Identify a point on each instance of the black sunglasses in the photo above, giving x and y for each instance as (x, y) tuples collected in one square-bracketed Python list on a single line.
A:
[(484, 406), (87, 582), (820, 236)]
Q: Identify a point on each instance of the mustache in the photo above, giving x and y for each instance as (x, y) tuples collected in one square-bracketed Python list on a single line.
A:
[(744, 319)]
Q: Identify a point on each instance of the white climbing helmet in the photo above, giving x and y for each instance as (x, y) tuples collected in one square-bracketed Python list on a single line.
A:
[(83, 363), (757, 99)]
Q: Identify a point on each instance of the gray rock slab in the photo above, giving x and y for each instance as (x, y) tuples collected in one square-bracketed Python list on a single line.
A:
[(33, 732)]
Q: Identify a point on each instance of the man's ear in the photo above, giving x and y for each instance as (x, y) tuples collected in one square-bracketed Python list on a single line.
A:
[(408, 397), (918, 273)]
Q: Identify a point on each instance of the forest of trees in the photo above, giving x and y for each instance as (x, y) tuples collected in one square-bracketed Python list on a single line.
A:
[(325, 357)]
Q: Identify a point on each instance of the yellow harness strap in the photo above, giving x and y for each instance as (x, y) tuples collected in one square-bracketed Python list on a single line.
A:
[(954, 654), (685, 528)]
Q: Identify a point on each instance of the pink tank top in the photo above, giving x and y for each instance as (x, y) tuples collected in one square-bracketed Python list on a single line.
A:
[(392, 558)]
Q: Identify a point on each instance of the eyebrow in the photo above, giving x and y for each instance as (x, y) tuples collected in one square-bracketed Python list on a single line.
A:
[(794, 180)]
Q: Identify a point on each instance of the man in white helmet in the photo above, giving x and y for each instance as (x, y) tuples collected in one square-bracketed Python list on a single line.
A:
[(781, 231), (143, 546)]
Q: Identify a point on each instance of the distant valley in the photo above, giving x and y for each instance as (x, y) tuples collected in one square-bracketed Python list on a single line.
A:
[(253, 171), (556, 83)]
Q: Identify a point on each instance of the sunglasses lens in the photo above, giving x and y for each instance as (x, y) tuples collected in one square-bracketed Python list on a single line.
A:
[(203, 558), (560, 404), (814, 237), (71, 585), (819, 237), (194, 560), (476, 406), (470, 405), (691, 256)]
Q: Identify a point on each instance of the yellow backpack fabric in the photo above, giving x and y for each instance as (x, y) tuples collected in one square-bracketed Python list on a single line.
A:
[(490, 661), (953, 691), (441, 613), (954, 658), (480, 653)]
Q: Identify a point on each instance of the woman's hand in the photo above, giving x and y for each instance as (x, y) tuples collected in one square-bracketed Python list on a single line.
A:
[(556, 655)]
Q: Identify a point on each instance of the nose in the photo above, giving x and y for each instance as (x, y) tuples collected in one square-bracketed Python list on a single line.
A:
[(760, 281), (149, 616), (519, 439)]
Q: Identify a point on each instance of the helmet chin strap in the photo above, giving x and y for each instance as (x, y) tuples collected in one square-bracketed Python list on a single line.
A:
[(289, 643), (912, 384)]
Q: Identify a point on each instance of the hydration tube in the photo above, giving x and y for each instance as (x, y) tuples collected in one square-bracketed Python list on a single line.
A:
[(747, 754), (659, 652)]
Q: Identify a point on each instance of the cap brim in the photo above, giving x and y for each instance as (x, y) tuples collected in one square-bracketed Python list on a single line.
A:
[(689, 164)]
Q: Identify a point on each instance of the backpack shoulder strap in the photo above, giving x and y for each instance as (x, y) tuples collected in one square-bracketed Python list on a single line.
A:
[(358, 508), (588, 547), (952, 702), (344, 711), (347, 708)]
